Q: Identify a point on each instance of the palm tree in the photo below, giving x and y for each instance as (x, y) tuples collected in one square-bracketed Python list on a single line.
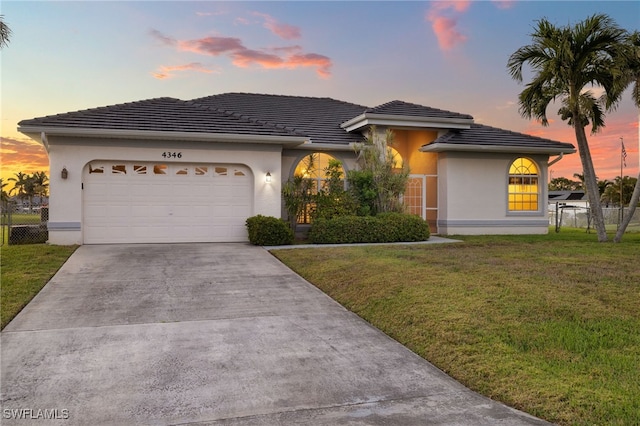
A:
[(603, 185), (4, 197), (20, 182), (40, 181), (630, 67), (26, 187), (612, 192), (566, 62), (5, 33)]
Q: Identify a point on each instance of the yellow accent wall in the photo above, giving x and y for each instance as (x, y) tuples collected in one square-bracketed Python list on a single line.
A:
[(408, 143)]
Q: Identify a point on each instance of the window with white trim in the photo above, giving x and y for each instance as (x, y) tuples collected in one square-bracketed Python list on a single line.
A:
[(524, 185)]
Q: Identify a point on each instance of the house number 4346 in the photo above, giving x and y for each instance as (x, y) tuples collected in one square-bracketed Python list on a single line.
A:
[(168, 154)]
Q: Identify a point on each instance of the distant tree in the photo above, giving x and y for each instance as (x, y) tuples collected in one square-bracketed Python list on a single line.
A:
[(566, 62), (41, 187), (20, 183), (29, 186), (5, 33), (3, 193), (563, 184), (612, 192), (603, 185)]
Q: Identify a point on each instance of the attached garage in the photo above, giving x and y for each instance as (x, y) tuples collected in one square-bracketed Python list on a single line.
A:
[(156, 202)]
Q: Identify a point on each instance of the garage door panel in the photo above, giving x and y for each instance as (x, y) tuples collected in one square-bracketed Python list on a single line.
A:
[(187, 202)]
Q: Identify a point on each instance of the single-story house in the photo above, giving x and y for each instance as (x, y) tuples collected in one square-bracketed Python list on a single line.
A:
[(169, 170)]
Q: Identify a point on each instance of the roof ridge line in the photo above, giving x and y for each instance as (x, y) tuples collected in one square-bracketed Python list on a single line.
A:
[(244, 117), (117, 106)]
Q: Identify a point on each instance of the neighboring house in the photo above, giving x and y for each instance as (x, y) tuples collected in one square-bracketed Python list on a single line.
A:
[(568, 208), (568, 198), (167, 170)]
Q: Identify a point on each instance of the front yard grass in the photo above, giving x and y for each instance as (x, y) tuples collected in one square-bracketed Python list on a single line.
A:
[(25, 269), (548, 324)]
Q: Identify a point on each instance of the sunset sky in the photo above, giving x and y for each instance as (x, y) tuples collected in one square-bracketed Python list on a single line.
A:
[(67, 56)]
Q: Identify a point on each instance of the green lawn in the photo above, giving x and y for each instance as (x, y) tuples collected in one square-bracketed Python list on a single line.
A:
[(548, 324), (25, 270)]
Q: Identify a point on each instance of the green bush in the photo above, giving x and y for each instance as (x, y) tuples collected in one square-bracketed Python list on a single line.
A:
[(268, 231), (383, 228)]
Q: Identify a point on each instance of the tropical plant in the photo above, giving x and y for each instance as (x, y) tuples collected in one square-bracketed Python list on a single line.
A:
[(378, 183), (603, 185), (29, 186), (332, 199), (20, 183), (41, 187), (3, 192), (297, 193), (612, 191), (5, 33), (567, 61)]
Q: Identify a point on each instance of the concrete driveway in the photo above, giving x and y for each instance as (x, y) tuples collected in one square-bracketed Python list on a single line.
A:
[(213, 334)]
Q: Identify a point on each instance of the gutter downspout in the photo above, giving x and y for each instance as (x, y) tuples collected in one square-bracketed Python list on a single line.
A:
[(555, 160), (44, 140)]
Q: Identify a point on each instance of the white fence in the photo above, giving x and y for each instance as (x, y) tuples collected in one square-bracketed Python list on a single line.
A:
[(578, 217)]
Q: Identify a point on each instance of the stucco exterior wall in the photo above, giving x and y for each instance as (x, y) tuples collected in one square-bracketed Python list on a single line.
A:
[(473, 195), (408, 143), (65, 208)]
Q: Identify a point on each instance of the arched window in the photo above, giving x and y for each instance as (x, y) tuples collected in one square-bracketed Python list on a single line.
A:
[(398, 162), (524, 185), (313, 168)]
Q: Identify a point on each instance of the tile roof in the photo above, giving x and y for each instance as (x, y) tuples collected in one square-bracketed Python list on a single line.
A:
[(480, 134), (567, 196), (161, 114), (319, 118), (414, 110)]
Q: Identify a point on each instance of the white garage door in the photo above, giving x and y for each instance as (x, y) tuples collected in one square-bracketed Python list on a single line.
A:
[(139, 202)]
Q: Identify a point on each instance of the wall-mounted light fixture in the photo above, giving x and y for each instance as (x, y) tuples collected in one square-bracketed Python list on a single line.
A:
[(267, 178), (64, 174)]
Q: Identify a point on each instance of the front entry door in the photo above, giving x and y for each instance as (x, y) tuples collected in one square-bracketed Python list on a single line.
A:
[(421, 198)]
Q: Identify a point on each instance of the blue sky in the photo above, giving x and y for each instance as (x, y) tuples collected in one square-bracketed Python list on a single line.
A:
[(66, 56)]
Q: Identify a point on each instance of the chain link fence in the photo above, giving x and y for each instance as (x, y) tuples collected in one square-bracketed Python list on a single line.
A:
[(23, 225), (579, 217)]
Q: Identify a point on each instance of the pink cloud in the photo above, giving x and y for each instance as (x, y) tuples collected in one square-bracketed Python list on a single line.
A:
[(448, 36), (247, 57), (504, 4), (320, 62), (281, 57), (444, 25), (162, 38), (166, 70), (604, 147), (242, 21), (284, 31), (211, 45)]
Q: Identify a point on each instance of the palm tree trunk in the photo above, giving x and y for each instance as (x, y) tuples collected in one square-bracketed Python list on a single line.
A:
[(635, 198), (590, 180)]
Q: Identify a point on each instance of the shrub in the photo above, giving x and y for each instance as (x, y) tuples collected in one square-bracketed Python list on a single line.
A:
[(268, 231), (383, 228)]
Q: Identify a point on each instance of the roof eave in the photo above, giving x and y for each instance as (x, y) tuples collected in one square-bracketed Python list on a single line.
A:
[(517, 149), (35, 131), (370, 119)]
